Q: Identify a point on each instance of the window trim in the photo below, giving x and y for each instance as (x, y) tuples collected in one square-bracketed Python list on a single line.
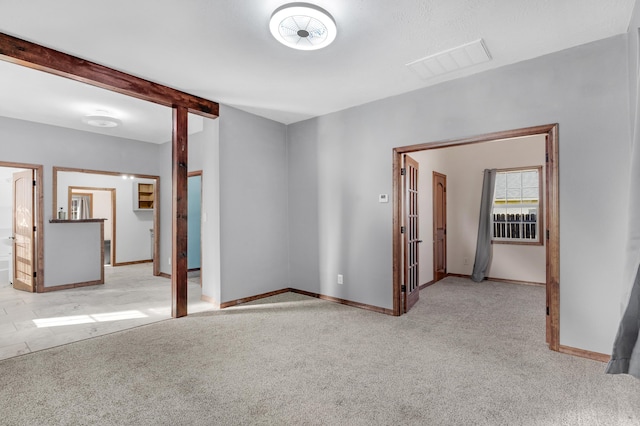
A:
[(540, 240)]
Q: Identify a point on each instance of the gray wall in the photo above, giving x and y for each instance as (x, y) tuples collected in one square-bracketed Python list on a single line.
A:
[(633, 238), (633, 49), (253, 205), (339, 163)]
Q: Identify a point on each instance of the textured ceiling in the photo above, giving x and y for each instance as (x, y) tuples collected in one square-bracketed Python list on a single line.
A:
[(222, 50)]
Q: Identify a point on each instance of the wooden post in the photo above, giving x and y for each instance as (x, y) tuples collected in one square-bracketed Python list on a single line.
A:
[(179, 179)]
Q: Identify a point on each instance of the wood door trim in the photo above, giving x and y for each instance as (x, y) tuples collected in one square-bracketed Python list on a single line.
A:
[(39, 220), (191, 174), (434, 227), (552, 214), (156, 210)]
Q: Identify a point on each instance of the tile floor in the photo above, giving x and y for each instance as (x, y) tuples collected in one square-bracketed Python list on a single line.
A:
[(131, 296)]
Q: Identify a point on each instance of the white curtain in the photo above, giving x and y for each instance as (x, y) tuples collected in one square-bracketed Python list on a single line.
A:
[(483, 244), (84, 207)]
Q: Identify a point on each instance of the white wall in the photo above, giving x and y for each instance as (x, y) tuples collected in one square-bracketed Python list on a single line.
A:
[(133, 242), (463, 167), (28, 142), (338, 164)]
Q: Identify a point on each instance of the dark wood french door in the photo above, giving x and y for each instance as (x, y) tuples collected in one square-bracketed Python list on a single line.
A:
[(411, 234)]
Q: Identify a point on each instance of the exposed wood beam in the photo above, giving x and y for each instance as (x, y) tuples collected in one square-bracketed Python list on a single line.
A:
[(42, 58), (180, 206)]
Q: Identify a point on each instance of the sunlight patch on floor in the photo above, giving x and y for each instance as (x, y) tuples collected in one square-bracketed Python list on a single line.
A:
[(86, 319)]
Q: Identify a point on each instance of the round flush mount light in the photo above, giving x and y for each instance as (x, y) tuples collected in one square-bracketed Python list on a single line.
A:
[(303, 26), (101, 119)]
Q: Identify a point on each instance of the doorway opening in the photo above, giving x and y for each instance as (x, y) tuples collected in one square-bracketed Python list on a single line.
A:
[(552, 242), (21, 222), (135, 224), (194, 222), (88, 202), (439, 195)]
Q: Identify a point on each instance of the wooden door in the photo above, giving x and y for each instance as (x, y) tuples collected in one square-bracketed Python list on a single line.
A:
[(411, 235), (439, 226), (23, 231)]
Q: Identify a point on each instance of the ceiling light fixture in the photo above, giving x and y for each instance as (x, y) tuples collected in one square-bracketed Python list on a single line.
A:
[(101, 119), (303, 26)]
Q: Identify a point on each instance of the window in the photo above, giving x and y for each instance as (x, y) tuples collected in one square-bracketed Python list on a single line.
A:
[(81, 206), (517, 205)]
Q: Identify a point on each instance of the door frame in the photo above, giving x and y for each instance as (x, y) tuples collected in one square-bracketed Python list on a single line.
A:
[(552, 214), (113, 214), (156, 209), (191, 174), (434, 220), (38, 210)]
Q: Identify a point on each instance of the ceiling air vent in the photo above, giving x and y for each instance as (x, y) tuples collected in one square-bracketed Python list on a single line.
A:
[(464, 56)]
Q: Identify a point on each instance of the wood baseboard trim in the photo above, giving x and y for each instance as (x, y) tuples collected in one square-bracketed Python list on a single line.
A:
[(499, 280), (70, 286), (595, 356), (164, 275), (211, 300), (344, 302), (135, 262), (425, 285), (252, 298), (304, 293)]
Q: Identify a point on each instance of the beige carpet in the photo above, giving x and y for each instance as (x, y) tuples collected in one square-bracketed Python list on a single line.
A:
[(467, 354)]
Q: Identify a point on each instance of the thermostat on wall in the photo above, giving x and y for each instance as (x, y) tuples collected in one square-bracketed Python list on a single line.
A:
[(383, 198)]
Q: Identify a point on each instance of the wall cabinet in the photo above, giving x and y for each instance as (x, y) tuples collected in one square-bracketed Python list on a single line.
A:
[(143, 196)]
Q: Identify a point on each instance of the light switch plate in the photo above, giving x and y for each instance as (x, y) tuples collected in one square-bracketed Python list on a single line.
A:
[(383, 198)]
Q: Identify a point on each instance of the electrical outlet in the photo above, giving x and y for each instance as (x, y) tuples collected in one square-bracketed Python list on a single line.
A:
[(169, 261), (465, 261), (340, 279)]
